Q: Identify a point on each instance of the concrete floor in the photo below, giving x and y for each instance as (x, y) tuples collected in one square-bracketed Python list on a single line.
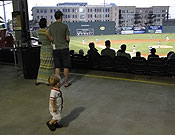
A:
[(97, 103)]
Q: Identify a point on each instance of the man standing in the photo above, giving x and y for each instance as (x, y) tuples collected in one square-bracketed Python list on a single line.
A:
[(60, 34)]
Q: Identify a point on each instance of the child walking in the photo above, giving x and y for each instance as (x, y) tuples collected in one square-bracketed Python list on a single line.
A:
[(55, 103)]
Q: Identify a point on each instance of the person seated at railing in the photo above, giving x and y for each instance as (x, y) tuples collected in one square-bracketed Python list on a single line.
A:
[(81, 52), (93, 55), (108, 51), (119, 51), (171, 56), (123, 53), (168, 54), (72, 52), (153, 54), (138, 54)]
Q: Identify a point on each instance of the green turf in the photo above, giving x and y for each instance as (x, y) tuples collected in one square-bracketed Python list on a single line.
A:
[(77, 42)]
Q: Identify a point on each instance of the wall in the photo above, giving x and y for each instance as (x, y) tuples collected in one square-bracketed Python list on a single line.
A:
[(96, 28), (168, 29)]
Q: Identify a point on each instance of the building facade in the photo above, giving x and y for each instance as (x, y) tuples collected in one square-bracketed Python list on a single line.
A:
[(151, 16), (123, 16)]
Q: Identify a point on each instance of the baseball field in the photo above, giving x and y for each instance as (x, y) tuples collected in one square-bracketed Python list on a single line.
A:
[(142, 42)]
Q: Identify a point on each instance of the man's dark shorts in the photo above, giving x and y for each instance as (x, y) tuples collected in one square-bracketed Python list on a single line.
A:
[(62, 58)]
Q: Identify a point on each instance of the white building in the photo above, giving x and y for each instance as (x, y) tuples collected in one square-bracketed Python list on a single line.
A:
[(124, 16)]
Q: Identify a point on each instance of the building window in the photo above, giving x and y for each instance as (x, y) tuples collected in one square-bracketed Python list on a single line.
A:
[(157, 11), (73, 10), (163, 11), (132, 11), (45, 11), (68, 10), (51, 17), (38, 17), (41, 11), (82, 17), (37, 10), (51, 10), (55, 10)]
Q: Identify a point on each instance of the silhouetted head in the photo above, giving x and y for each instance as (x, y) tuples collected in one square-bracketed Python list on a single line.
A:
[(58, 15), (123, 48), (153, 51), (119, 51), (91, 45), (71, 52), (81, 52), (138, 54), (171, 52), (42, 23), (107, 43)]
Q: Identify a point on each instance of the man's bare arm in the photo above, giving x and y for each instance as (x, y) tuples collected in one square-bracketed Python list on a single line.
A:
[(49, 36), (67, 38)]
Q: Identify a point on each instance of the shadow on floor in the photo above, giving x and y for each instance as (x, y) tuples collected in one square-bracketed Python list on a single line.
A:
[(72, 116)]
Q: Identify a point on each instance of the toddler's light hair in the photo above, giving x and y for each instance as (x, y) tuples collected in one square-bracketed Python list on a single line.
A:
[(53, 80)]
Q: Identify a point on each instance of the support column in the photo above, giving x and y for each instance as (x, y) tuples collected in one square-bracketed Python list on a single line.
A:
[(22, 35)]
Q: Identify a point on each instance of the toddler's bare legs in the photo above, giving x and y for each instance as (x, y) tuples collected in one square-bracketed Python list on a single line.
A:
[(52, 121)]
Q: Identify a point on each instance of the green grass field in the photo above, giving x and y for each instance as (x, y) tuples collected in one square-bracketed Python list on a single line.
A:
[(77, 42)]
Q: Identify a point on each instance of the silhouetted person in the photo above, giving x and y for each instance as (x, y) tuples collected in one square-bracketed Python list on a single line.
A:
[(107, 50), (93, 55), (153, 54), (72, 52), (168, 55), (138, 54), (138, 57), (81, 52), (171, 56), (123, 53), (119, 51)]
